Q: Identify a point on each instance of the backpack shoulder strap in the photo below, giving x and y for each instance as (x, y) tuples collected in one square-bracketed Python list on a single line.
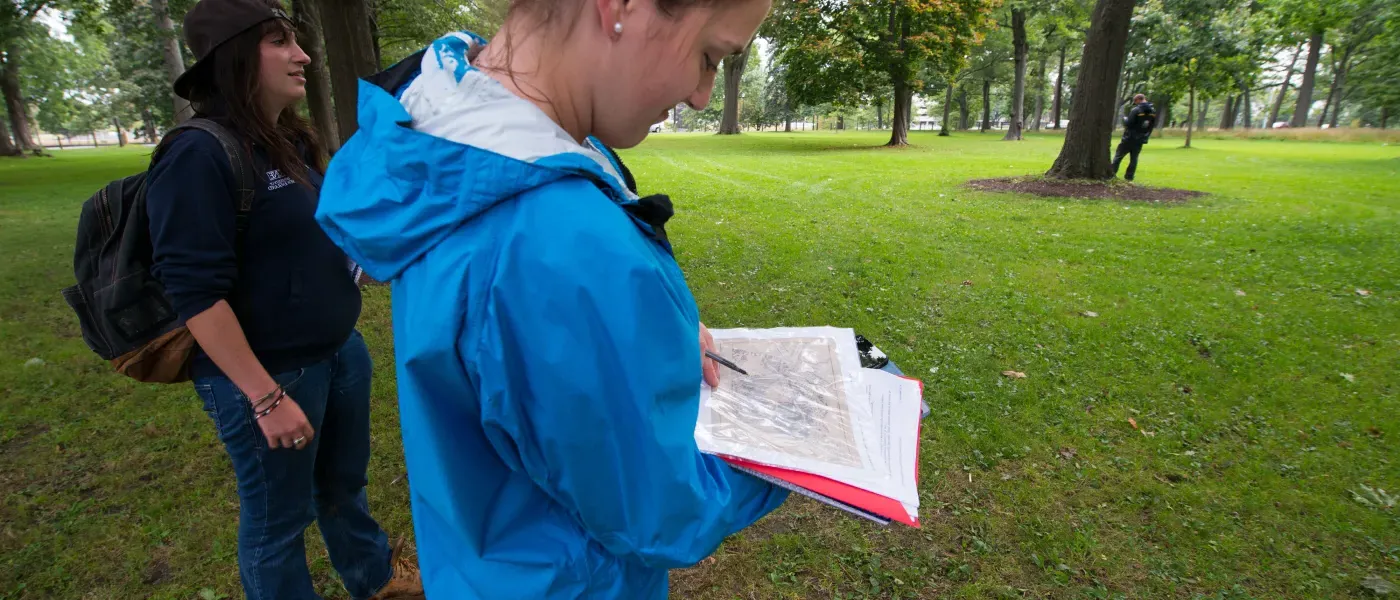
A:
[(238, 159)]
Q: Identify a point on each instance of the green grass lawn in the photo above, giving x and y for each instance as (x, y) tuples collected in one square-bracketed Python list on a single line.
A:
[(1230, 330)]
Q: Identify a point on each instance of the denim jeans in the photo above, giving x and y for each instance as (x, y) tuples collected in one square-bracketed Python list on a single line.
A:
[(281, 491)]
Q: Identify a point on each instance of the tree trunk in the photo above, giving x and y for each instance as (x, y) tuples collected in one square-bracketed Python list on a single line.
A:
[(1248, 107), (14, 99), (1331, 91), (787, 120), (1018, 88), (1201, 118), (962, 108), (1059, 87), (149, 121), (318, 83), (1305, 89), (1385, 115), (1085, 153), (1039, 92), (121, 134), (899, 114), (947, 110), (880, 114), (986, 105), (1228, 112), (840, 122), (1334, 95), (94, 138), (733, 75), (351, 53), (1190, 108), (1283, 89), (7, 147), (170, 53)]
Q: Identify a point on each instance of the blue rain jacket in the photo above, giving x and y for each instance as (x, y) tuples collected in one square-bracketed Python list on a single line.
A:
[(547, 358)]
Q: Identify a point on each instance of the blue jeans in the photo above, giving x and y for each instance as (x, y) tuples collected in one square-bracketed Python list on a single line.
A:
[(281, 491)]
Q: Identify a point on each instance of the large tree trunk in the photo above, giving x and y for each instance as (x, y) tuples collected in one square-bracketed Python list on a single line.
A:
[(170, 53), (14, 99), (947, 109), (7, 147), (351, 53), (1190, 109), (733, 75), (962, 108), (318, 82), (1228, 112), (1385, 115), (1248, 107), (1283, 88), (986, 105), (1085, 153), (1018, 87), (1305, 90), (880, 113), (1201, 118), (899, 114), (1059, 87)]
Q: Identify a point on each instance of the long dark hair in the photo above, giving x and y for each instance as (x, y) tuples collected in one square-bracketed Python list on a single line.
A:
[(231, 92)]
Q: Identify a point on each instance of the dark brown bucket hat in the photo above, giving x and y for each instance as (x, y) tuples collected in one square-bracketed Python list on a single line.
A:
[(213, 22)]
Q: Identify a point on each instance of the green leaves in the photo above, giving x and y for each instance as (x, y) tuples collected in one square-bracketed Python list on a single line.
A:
[(840, 51)]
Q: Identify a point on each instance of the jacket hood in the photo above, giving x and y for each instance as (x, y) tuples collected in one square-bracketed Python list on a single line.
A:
[(453, 145)]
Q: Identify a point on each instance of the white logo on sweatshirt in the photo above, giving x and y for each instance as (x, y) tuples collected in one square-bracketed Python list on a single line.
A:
[(277, 181)]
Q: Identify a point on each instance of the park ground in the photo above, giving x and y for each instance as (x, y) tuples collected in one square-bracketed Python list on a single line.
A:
[(1210, 407)]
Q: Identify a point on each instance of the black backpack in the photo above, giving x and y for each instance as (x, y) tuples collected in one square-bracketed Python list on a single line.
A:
[(122, 308)]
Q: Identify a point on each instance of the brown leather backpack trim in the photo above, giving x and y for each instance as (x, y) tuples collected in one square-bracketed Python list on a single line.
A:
[(165, 359)]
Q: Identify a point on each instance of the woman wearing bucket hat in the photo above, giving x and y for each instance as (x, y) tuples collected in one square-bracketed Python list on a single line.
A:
[(273, 305)]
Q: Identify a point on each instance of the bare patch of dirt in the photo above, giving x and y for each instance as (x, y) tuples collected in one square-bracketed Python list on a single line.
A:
[(1064, 188), (158, 570)]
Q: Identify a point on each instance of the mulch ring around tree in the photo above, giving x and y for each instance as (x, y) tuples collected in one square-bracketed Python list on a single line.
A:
[(1069, 188)]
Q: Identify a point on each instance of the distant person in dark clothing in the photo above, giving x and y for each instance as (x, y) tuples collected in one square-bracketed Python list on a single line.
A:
[(1137, 127)]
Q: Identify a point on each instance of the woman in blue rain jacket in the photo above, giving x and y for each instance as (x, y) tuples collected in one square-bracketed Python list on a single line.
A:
[(546, 341)]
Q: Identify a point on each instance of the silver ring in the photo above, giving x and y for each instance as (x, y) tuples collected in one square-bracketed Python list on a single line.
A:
[(298, 441)]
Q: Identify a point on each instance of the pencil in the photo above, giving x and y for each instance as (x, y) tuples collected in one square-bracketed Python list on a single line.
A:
[(724, 361)]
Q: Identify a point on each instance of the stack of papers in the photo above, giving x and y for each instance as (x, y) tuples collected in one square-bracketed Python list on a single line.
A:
[(807, 417)]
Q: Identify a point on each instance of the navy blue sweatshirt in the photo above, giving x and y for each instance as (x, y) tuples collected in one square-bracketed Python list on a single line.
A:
[(294, 297)]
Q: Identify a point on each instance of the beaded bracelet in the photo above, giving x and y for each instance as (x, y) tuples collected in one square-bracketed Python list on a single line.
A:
[(263, 413)]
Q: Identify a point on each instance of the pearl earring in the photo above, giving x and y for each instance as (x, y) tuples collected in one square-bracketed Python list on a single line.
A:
[(617, 27)]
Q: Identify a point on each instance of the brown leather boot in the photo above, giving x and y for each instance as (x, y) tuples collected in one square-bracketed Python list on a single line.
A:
[(405, 583)]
